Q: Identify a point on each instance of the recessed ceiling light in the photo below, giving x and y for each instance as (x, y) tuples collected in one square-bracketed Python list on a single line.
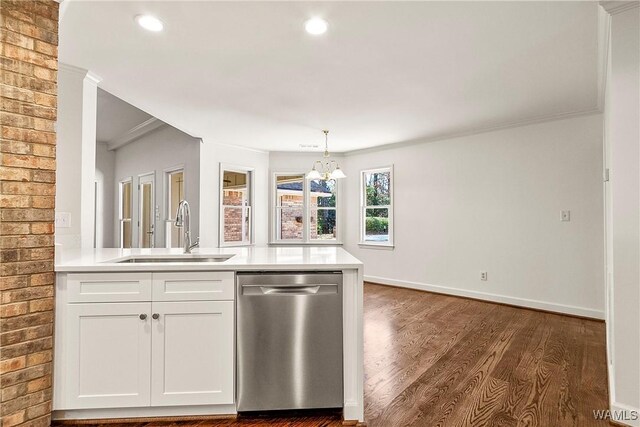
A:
[(150, 23), (316, 26)]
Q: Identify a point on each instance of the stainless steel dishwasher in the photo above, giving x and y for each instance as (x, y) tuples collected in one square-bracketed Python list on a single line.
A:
[(289, 341)]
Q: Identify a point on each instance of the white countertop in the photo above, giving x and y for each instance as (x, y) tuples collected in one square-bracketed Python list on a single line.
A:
[(247, 258)]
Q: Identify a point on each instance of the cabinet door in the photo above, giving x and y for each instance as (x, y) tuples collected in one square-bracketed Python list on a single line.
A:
[(109, 348), (193, 353)]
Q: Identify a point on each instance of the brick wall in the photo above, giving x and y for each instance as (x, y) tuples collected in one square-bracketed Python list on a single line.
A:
[(292, 218), (233, 216), (28, 89)]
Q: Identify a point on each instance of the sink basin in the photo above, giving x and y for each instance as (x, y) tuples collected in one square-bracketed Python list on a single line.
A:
[(189, 258)]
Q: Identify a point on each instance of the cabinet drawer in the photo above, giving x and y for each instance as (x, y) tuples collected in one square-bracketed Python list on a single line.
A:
[(109, 287), (194, 286)]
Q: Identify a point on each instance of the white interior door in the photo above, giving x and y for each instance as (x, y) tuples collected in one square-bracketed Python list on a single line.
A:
[(109, 347), (147, 209), (193, 353)]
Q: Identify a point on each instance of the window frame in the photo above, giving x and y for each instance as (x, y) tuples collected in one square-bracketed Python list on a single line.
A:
[(389, 244), (169, 216), (306, 209), (121, 220), (250, 186), (140, 208)]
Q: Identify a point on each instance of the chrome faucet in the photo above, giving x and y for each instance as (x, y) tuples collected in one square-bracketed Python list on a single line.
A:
[(183, 217)]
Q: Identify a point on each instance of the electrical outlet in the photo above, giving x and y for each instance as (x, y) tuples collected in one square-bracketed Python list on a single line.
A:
[(565, 216), (63, 220), (483, 276)]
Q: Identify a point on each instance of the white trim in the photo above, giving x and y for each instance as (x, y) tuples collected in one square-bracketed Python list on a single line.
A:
[(306, 211), (311, 243), (615, 7), (162, 411), (71, 68), (166, 197), (92, 78), (485, 296), (125, 180), (628, 410), (134, 133), (367, 243), (153, 208), (242, 147), (604, 34), (251, 172), (475, 131), (373, 245)]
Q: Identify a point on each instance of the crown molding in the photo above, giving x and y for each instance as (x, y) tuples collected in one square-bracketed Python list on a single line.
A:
[(91, 77), (476, 131), (134, 133), (238, 147), (62, 66), (604, 36), (615, 7)]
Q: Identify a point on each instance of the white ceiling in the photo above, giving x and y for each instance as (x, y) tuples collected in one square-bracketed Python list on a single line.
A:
[(115, 117), (246, 73)]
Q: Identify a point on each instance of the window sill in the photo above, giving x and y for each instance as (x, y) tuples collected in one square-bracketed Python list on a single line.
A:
[(384, 246), (240, 245), (323, 243)]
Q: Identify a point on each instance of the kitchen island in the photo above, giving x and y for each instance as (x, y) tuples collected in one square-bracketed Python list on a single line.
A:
[(117, 355)]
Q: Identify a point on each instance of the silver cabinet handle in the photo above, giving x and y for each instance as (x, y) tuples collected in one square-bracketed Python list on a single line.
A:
[(143, 316), (155, 316)]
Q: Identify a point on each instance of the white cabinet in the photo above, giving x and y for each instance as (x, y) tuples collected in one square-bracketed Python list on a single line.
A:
[(194, 286), (192, 357), (148, 350), (109, 355)]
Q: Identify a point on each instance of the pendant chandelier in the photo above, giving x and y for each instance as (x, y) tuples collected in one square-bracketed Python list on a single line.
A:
[(326, 168)]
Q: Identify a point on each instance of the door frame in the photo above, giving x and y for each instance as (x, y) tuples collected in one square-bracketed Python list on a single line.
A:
[(149, 177)]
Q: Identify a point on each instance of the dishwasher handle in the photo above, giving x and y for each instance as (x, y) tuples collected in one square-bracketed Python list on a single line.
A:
[(289, 290)]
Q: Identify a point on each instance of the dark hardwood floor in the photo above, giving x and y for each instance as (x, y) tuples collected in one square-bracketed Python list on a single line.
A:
[(435, 360)]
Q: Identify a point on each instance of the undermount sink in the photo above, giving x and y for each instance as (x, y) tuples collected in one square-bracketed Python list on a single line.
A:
[(189, 258)]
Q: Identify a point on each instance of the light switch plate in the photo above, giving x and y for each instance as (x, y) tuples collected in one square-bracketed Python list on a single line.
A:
[(63, 220), (565, 216)]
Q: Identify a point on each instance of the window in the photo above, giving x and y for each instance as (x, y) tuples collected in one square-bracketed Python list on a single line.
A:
[(125, 213), (304, 211), (377, 207), (323, 210), (174, 184), (236, 224)]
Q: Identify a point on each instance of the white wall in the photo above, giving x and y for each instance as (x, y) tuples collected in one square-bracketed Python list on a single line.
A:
[(622, 113), (75, 155), (492, 202), (211, 155), (105, 196), (161, 149)]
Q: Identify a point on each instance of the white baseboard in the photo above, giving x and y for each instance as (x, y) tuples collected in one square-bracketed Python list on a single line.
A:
[(352, 412), (626, 415), (485, 296), (148, 412)]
